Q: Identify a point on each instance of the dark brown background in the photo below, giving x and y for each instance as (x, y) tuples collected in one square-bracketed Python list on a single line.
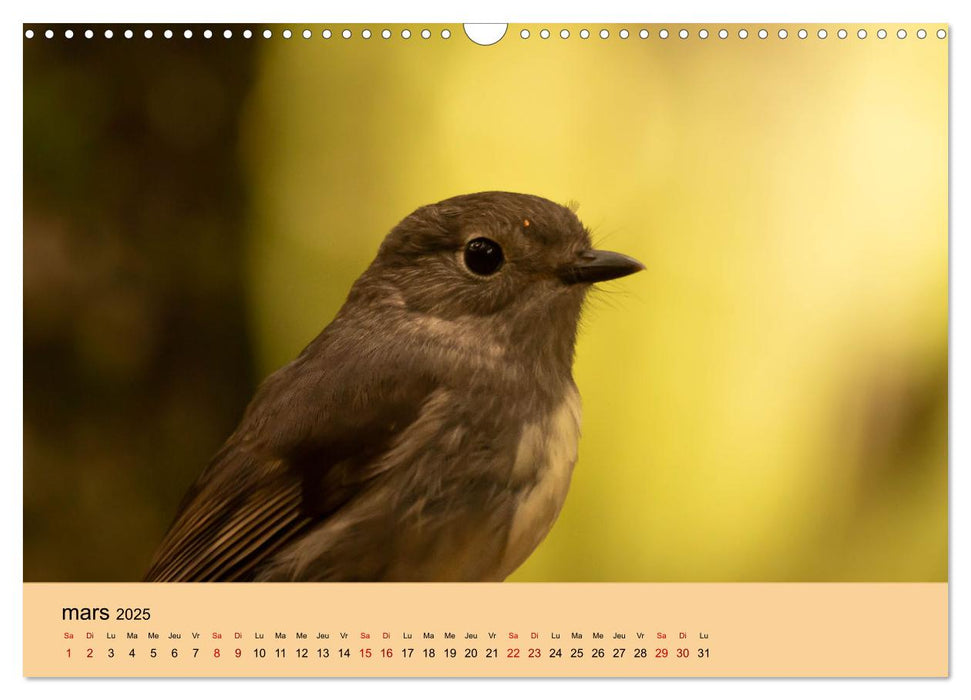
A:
[(133, 291)]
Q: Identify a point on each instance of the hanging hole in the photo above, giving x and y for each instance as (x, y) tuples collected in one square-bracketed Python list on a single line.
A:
[(485, 34)]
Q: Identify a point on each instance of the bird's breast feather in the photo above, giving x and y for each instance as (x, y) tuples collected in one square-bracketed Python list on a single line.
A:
[(545, 457)]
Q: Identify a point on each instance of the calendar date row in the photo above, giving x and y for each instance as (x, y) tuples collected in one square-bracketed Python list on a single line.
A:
[(338, 653)]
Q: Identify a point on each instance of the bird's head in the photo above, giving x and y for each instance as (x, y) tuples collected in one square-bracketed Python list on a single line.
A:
[(510, 261)]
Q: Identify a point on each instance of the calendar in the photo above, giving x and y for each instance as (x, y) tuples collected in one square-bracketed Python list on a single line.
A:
[(508, 350), (516, 630)]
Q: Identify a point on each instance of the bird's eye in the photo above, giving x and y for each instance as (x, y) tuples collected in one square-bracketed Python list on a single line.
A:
[(483, 256)]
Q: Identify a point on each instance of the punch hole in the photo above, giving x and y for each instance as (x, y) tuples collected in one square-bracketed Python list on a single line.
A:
[(643, 34), (287, 34), (227, 34), (306, 34), (88, 34), (486, 34), (148, 34), (802, 33), (663, 33), (367, 34), (446, 33), (266, 34), (129, 33), (207, 34), (168, 34), (604, 33), (881, 33), (921, 33), (763, 34), (69, 34), (584, 33), (425, 34), (564, 33), (30, 33), (783, 34), (524, 34), (346, 33), (49, 34), (544, 34), (683, 34), (188, 33), (405, 33), (901, 33), (722, 33), (841, 33), (326, 34), (861, 33), (109, 34), (821, 34), (743, 33), (941, 33), (624, 33), (703, 33)]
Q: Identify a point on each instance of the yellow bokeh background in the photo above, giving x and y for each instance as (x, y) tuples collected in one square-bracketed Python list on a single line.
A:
[(768, 401)]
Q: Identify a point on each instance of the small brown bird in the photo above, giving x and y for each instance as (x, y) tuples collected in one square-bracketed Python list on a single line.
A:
[(429, 432)]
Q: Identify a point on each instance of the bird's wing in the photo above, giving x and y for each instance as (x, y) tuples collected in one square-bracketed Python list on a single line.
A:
[(311, 439), (224, 531)]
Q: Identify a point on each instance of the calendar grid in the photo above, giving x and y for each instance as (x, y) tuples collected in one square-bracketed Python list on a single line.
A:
[(830, 629)]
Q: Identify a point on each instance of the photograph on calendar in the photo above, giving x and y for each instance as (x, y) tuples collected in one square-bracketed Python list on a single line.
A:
[(590, 303)]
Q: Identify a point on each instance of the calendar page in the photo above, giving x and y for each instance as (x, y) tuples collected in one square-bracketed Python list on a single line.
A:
[(543, 349)]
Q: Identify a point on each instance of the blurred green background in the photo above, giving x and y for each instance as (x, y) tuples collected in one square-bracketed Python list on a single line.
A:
[(768, 402)]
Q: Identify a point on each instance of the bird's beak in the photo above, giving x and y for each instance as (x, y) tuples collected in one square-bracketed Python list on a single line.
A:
[(598, 266)]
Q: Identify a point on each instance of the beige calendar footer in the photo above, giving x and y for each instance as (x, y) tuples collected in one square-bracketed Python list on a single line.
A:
[(511, 629)]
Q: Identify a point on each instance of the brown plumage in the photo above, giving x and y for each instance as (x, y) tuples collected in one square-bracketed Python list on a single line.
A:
[(429, 432)]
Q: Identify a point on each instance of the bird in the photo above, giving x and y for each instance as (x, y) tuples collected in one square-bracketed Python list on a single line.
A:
[(430, 431)]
